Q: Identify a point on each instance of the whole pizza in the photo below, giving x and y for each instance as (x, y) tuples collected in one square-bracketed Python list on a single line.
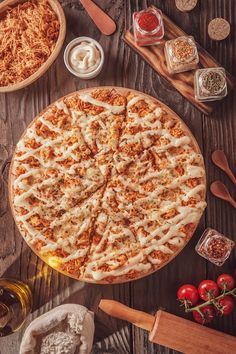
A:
[(107, 185)]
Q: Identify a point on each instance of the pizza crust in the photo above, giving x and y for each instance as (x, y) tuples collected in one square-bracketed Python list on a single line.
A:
[(117, 157)]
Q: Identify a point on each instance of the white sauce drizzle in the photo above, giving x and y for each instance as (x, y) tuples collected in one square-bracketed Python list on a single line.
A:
[(110, 108)]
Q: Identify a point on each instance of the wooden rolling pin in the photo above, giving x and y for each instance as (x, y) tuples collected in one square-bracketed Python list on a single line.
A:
[(174, 332)]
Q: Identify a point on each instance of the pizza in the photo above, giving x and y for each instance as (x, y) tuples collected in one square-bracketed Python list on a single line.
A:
[(107, 185)]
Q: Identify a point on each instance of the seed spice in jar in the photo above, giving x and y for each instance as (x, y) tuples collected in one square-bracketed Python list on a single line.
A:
[(182, 50), (214, 246), (210, 84), (181, 54)]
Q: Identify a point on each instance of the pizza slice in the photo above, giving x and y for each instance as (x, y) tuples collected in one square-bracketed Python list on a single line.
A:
[(62, 237), (54, 163), (162, 197), (147, 125), (100, 115), (114, 252), (138, 132)]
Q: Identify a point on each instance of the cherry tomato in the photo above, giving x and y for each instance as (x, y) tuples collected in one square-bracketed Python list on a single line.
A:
[(208, 289), (188, 295), (225, 282), (227, 305), (206, 316)]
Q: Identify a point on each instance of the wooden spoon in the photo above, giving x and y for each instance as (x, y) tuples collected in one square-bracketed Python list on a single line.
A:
[(220, 190), (105, 24), (220, 160)]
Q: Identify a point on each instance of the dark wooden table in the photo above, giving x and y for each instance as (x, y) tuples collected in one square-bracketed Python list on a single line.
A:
[(124, 68)]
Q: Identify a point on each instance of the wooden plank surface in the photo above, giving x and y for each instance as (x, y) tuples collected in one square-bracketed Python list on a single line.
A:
[(123, 68), (182, 82)]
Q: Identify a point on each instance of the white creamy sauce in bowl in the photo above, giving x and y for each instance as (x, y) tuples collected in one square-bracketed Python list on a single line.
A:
[(85, 57)]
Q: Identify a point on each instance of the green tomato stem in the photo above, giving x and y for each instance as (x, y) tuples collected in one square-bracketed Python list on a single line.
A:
[(212, 301)]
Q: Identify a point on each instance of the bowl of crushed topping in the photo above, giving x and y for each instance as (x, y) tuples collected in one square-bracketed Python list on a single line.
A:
[(181, 54), (84, 57), (32, 33), (214, 246)]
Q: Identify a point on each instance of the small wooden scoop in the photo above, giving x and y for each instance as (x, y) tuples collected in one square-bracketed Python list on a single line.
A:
[(105, 24), (219, 158), (174, 332), (220, 190)]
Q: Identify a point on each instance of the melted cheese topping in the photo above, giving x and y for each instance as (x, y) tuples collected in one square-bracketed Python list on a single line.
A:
[(107, 194)]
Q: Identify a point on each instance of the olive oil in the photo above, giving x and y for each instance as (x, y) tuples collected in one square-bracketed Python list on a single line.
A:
[(15, 305)]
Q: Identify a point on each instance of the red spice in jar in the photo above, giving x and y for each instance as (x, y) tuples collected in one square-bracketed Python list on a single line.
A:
[(148, 21), (217, 248), (214, 246), (148, 26)]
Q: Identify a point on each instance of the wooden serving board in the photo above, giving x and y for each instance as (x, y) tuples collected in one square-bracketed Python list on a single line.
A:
[(183, 82)]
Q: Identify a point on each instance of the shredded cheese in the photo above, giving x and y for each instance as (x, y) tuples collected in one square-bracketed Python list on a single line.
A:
[(28, 34)]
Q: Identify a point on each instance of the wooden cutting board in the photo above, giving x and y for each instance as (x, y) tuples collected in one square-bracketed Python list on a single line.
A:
[(183, 82)]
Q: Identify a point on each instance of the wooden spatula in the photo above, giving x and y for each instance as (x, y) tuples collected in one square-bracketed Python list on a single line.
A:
[(172, 331), (105, 24)]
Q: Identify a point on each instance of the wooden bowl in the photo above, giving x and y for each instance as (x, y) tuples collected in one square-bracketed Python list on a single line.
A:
[(56, 6)]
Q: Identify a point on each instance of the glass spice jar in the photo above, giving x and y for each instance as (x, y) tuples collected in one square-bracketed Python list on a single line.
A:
[(148, 27), (181, 54), (210, 84), (214, 246)]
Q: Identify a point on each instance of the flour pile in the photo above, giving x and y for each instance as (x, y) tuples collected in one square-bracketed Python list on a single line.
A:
[(67, 329)]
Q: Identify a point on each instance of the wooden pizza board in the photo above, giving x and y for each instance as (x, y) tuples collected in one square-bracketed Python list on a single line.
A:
[(124, 91), (182, 82)]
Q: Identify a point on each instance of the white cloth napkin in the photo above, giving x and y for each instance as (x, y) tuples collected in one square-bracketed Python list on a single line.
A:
[(67, 329)]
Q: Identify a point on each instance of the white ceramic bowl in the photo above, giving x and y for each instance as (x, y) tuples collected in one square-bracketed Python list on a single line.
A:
[(71, 45)]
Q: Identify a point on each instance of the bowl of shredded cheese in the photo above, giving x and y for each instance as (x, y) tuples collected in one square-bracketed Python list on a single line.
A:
[(32, 33)]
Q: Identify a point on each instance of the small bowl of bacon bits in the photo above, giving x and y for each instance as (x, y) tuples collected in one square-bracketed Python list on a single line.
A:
[(32, 33)]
